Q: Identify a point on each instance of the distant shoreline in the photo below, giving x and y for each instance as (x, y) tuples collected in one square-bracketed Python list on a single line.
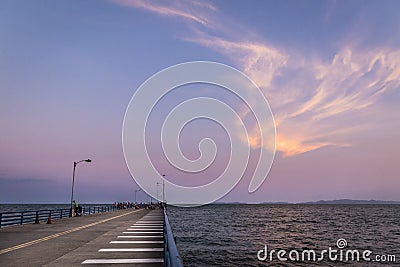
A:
[(326, 202)]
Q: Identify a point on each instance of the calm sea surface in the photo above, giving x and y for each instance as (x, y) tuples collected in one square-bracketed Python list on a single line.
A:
[(231, 235)]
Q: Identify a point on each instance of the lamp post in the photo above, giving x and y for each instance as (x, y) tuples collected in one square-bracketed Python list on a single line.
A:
[(163, 189), (73, 181), (158, 196), (138, 190)]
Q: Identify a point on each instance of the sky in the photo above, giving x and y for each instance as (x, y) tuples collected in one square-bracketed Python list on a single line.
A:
[(330, 71)]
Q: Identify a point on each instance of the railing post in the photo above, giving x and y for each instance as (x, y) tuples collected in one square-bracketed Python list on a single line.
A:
[(22, 218), (1, 218), (37, 221), (49, 218)]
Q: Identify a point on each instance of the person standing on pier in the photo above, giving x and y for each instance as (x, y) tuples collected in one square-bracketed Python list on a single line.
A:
[(78, 209)]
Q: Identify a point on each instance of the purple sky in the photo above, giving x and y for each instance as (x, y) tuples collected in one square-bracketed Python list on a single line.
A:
[(329, 69)]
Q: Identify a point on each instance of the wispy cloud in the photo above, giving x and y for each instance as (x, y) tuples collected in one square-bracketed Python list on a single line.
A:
[(189, 10), (308, 96), (328, 91), (303, 92), (261, 62)]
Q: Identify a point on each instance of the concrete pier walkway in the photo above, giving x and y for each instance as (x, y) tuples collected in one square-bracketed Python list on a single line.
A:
[(124, 237)]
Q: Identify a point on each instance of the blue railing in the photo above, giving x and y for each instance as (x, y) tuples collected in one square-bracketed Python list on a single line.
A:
[(36, 216), (171, 254)]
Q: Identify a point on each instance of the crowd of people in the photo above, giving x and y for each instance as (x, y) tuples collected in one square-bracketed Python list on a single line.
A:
[(77, 209), (131, 205)]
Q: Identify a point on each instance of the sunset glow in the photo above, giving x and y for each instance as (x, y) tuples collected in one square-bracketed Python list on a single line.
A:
[(330, 71)]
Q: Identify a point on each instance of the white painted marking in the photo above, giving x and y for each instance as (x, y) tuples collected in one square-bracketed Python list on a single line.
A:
[(117, 261), (149, 226), (158, 232), (130, 249), (144, 229), (140, 236), (153, 223), (137, 242)]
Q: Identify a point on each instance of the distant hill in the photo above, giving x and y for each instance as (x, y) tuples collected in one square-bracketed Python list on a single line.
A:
[(281, 202), (351, 201), (230, 203), (322, 202)]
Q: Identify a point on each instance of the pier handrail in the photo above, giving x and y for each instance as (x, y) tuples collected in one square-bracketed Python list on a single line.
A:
[(171, 254), (9, 218)]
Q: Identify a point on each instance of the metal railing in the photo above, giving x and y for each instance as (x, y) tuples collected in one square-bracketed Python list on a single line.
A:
[(171, 254), (36, 216)]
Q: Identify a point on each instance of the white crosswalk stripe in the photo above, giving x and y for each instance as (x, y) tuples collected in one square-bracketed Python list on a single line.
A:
[(130, 249), (140, 236), (137, 242), (122, 261), (153, 232), (144, 237)]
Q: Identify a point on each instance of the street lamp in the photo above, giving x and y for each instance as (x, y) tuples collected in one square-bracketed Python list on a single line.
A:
[(163, 189), (73, 180), (138, 190)]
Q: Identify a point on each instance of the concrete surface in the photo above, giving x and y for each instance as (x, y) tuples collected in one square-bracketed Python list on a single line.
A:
[(93, 240)]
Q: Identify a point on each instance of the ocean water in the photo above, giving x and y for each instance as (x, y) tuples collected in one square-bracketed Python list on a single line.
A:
[(232, 235)]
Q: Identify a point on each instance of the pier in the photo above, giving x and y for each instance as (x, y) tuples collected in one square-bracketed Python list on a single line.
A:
[(131, 237)]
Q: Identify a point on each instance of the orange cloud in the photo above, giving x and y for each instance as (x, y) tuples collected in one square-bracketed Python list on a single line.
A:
[(290, 146)]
